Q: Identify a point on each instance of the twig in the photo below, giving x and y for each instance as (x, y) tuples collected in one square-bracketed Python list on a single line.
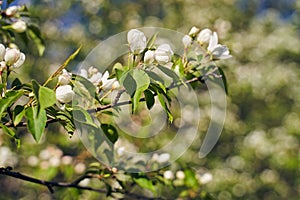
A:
[(200, 78), (49, 184)]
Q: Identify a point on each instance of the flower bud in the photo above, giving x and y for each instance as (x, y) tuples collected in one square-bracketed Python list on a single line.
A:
[(65, 77), (12, 10), (194, 31), (168, 175), (19, 26), (204, 36), (186, 40), (136, 40), (180, 175), (149, 57), (163, 53), (11, 56), (2, 52), (64, 93)]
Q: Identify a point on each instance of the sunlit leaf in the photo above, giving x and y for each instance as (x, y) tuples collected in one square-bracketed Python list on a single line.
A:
[(9, 99), (36, 121)]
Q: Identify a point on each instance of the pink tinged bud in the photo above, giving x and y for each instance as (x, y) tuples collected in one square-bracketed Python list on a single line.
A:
[(194, 31), (163, 53), (149, 57), (12, 10), (137, 41), (19, 26), (2, 52), (186, 40), (65, 77), (64, 93), (204, 36)]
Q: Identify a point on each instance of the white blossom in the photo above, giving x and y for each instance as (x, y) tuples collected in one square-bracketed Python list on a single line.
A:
[(65, 77), (137, 41), (149, 57), (64, 93), (19, 26), (13, 57), (12, 10), (99, 80), (217, 51), (163, 53), (204, 36), (194, 31), (107, 83), (164, 157), (187, 40), (180, 175), (168, 175)]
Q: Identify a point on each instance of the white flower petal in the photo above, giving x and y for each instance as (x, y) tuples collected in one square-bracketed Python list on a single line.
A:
[(64, 93), (186, 40), (213, 42), (204, 36), (20, 61), (136, 40), (2, 52)]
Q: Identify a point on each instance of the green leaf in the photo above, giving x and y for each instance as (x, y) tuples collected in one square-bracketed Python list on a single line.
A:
[(82, 116), (36, 36), (154, 76), (18, 114), (66, 120), (142, 83), (44, 96), (16, 84), (47, 97), (111, 132), (12, 134), (129, 83), (169, 73), (165, 107), (35, 89), (149, 96), (36, 122), (151, 41), (224, 80), (10, 98), (145, 183), (83, 86)]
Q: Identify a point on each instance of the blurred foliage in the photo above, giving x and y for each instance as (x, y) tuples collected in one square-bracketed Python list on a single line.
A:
[(257, 156)]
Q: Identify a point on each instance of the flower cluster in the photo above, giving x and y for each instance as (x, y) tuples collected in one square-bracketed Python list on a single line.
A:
[(11, 57), (101, 81), (207, 37), (137, 43), (18, 24)]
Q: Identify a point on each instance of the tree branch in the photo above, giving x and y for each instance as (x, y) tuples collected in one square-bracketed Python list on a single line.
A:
[(75, 184)]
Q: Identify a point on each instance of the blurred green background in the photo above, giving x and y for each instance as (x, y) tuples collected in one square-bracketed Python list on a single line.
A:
[(257, 156)]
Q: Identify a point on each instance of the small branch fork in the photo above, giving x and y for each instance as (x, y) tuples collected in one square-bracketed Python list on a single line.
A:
[(75, 184)]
